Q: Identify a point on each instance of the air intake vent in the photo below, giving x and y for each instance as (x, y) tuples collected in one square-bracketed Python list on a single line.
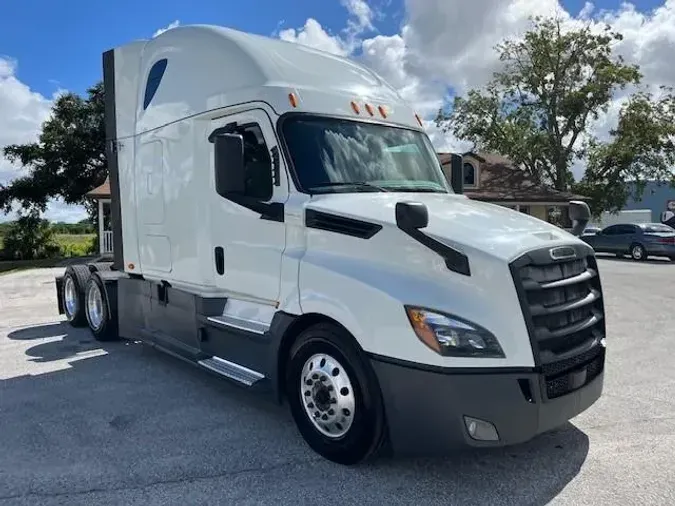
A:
[(340, 224)]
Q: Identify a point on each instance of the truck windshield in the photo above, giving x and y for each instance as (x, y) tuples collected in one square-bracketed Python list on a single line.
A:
[(337, 155)]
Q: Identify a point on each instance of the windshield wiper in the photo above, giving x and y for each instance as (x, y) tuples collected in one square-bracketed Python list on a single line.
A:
[(360, 184)]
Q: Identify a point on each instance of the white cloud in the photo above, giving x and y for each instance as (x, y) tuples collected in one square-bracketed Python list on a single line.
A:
[(171, 25), (313, 35), (362, 14), (23, 112)]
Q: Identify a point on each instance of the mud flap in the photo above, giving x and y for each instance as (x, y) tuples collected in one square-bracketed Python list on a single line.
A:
[(59, 294)]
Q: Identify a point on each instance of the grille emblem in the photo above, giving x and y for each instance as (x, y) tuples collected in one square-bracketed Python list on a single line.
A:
[(562, 253)]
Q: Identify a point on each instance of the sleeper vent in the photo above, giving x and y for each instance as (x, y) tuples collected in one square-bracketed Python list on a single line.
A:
[(340, 224)]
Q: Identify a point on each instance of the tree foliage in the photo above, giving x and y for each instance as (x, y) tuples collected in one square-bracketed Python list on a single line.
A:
[(538, 108), (30, 238), (641, 149), (68, 159)]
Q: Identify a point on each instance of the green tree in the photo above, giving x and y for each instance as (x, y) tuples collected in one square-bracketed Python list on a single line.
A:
[(29, 238), (68, 159), (537, 109), (641, 148)]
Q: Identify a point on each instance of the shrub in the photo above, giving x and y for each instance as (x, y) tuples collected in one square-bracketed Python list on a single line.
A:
[(29, 238)]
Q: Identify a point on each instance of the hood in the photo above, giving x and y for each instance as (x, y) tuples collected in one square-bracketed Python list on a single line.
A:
[(454, 219)]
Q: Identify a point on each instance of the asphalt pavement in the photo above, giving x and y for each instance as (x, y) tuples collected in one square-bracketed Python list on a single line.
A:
[(123, 424)]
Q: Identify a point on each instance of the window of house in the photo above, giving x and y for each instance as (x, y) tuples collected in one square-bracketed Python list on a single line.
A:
[(469, 174)]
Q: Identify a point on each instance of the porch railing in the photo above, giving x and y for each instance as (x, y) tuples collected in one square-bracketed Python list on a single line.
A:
[(107, 242)]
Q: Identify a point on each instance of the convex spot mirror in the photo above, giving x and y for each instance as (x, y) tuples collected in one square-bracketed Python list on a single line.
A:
[(411, 215)]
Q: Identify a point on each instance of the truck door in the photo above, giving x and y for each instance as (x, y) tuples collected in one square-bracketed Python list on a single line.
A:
[(248, 238)]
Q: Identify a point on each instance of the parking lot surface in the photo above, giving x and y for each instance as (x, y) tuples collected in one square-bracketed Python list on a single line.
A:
[(82, 423)]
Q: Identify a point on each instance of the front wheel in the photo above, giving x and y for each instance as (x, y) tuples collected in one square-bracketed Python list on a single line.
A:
[(637, 252), (334, 395)]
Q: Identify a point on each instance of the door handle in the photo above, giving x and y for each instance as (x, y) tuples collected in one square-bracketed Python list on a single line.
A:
[(220, 260)]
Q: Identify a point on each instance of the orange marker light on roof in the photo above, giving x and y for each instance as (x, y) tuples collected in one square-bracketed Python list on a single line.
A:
[(370, 110), (383, 111), (355, 107), (293, 99)]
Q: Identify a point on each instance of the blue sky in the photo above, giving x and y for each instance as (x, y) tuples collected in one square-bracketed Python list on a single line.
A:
[(424, 48), (61, 47)]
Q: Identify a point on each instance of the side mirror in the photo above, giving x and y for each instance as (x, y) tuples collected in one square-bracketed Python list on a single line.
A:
[(411, 215), (457, 173), (579, 214), (229, 162)]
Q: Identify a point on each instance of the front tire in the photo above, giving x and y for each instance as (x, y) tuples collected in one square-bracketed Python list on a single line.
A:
[(102, 323), (334, 395), (637, 252)]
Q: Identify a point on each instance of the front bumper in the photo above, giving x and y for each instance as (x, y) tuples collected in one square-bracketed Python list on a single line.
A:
[(425, 409)]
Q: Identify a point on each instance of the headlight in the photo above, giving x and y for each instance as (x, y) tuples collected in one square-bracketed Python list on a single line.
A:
[(452, 337)]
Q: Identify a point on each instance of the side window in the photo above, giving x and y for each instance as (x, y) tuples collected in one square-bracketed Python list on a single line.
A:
[(611, 230), (154, 78), (257, 163)]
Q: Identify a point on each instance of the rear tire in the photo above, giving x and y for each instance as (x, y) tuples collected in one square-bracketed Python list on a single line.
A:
[(102, 323), (74, 283), (334, 395)]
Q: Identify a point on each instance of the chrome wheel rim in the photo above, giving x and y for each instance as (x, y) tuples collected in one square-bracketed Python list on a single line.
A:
[(70, 296), (327, 395), (94, 306), (637, 252)]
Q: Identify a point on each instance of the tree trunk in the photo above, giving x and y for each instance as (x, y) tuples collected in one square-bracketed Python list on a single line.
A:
[(561, 174)]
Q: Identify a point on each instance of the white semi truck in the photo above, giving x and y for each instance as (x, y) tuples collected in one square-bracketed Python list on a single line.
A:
[(281, 219)]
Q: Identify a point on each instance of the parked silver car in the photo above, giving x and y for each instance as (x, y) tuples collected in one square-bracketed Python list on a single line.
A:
[(639, 240)]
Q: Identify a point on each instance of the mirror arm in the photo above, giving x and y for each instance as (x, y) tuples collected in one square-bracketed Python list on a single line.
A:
[(229, 128)]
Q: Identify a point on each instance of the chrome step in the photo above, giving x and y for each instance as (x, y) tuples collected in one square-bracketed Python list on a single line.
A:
[(239, 323), (231, 370)]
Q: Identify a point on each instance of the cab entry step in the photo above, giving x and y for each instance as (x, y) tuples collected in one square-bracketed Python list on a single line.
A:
[(233, 371)]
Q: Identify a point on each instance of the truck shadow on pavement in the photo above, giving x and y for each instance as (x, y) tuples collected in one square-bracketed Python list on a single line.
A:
[(92, 420)]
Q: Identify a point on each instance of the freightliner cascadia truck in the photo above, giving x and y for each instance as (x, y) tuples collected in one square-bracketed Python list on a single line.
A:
[(281, 219)]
